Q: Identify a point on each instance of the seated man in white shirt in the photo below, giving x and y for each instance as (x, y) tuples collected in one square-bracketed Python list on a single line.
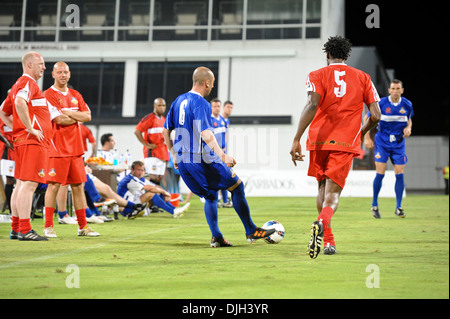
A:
[(108, 144), (135, 188)]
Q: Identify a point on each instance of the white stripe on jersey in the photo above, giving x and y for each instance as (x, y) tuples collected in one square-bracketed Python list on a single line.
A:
[(394, 118), (155, 130), (39, 102), (218, 130), (24, 93), (375, 92)]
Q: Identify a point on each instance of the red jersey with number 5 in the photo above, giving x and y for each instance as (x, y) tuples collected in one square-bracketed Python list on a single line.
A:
[(343, 92)]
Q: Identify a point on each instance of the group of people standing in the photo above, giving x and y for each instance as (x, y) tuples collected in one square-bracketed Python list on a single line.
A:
[(195, 134)]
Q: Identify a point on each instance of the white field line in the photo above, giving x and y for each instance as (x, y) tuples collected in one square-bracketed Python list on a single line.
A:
[(80, 250)]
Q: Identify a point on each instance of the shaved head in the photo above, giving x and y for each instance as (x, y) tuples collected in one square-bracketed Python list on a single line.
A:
[(33, 64), (61, 75), (60, 64), (29, 56), (203, 80), (202, 74)]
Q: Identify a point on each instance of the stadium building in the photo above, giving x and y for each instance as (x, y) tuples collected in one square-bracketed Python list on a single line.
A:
[(125, 53)]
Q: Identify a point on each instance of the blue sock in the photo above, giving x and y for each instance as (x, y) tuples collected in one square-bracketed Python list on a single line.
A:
[(212, 217), (241, 207), (62, 214), (399, 187), (95, 211), (377, 182), (158, 201), (128, 209), (224, 195), (90, 188), (88, 212)]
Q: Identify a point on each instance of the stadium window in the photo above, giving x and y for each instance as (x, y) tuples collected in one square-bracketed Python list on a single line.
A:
[(285, 15), (167, 80), (105, 102), (10, 20), (135, 16), (96, 21), (182, 19), (313, 11), (228, 17), (9, 73), (41, 16)]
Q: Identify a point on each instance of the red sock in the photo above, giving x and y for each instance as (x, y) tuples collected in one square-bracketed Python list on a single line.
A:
[(49, 211), (325, 215), (81, 217), (328, 237), (15, 224), (24, 225)]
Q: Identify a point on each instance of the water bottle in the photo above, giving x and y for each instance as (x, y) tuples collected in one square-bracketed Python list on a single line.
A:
[(122, 160), (115, 157), (128, 159)]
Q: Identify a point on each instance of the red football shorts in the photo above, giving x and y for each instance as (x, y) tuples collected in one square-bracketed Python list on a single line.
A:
[(66, 170), (31, 163), (332, 164)]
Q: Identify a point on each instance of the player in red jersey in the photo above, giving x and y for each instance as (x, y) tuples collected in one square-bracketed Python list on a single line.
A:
[(32, 132), (156, 154), (66, 165), (7, 151), (336, 94)]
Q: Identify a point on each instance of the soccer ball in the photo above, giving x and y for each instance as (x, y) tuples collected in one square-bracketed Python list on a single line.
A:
[(278, 235)]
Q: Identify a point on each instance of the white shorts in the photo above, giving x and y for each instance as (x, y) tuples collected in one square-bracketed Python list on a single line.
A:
[(7, 167), (135, 198), (155, 166)]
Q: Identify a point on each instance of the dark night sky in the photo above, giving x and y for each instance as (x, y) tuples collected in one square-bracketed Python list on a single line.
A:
[(412, 40)]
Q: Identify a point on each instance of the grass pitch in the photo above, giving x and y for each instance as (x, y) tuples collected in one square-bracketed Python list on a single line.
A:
[(165, 258)]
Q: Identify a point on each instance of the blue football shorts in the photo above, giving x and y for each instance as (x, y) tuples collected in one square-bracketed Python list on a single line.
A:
[(393, 150), (205, 179)]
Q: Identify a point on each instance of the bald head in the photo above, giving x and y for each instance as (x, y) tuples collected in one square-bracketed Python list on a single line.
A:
[(159, 106), (202, 74), (61, 75), (203, 80), (33, 64), (60, 64), (30, 56)]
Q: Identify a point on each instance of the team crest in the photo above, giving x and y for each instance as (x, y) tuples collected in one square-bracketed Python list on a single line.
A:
[(41, 173), (52, 172), (74, 100), (378, 155), (402, 111)]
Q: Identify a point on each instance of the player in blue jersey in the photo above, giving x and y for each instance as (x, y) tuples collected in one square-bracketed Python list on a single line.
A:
[(389, 142), (203, 171), (220, 131), (134, 187)]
